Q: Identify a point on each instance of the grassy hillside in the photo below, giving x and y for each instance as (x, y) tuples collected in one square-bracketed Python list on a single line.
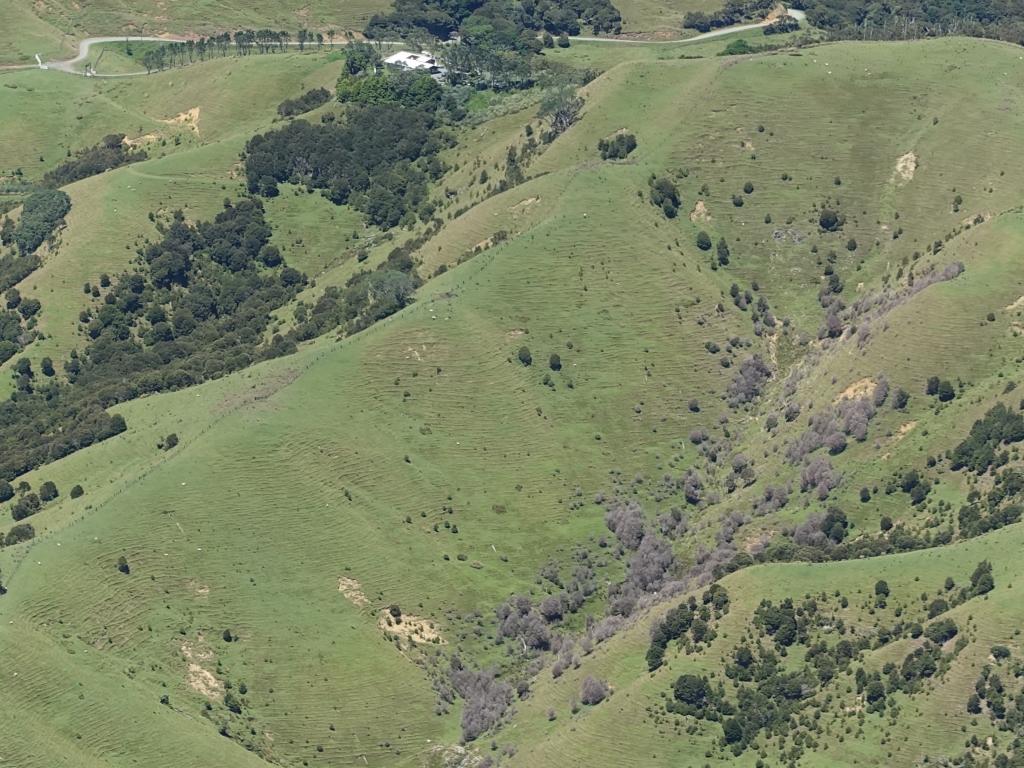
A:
[(421, 464), (47, 28)]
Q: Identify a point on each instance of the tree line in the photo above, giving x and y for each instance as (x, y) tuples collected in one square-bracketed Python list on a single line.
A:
[(243, 42)]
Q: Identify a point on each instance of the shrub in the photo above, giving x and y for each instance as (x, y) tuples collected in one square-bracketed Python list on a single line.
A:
[(703, 241), (77, 491), (555, 362), (122, 565), (748, 187), (851, 245), (170, 441), (524, 356)]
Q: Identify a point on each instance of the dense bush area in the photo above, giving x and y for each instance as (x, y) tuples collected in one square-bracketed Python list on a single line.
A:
[(379, 160), (1000, 426), (733, 12), (308, 101), (495, 25), (918, 18), (197, 309), (413, 90), (111, 152), (42, 213)]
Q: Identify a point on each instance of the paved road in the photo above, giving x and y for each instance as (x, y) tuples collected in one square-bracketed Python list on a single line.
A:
[(70, 66)]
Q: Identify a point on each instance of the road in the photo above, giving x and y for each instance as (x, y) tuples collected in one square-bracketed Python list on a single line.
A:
[(70, 65), (798, 15)]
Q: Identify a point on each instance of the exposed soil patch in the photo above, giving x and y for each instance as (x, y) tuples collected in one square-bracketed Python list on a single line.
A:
[(523, 204), (189, 119), (141, 141), (200, 679), (352, 591), (700, 212), (905, 167), (857, 390), (410, 628)]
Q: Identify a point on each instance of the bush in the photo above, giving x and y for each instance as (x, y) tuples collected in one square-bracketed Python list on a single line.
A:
[(555, 362), (6, 491), (77, 491), (524, 356), (122, 565), (703, 241)]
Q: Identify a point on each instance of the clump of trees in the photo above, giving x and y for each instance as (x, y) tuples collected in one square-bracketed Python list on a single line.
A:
[(665, 195), (561, 108), (379, 161), (733, 12), (409, 89), (497, 27), (41, 214), (111, 152), (978, 452), (618, 147), (307, 102), (197, 309), (486, 698)]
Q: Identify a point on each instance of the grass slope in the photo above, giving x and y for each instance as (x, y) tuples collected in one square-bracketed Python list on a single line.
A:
[(348, 459)]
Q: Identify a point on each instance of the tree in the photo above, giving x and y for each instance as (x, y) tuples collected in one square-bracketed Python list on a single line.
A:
[(593, 691), (722, 249), (48, 491), (829, 220), (561, 108), (900, 399), (524, 356), (555, 362), (6, 491), (691, 690), (945, 391), (931, 387), (732, 730), (77, 491), (703, 241), (882, 588)]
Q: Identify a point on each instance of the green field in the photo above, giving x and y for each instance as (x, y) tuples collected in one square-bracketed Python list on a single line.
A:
[(419, 463)]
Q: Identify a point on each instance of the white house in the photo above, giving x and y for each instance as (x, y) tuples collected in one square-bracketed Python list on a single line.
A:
[(408, 60)]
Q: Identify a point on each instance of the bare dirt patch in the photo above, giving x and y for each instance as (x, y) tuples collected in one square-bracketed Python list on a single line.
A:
[(905, 167), (200, 679), (198, 590), (189, 119), (904, 430), (141, 141), (410, 628), (857, 390), (352, 591), (700, 212), (515, 333), (524, 204)]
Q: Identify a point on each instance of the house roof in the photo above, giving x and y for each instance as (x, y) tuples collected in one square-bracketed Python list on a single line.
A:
[(411, 60)]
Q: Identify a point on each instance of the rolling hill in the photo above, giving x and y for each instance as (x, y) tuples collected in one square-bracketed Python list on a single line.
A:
[(427, 468)]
